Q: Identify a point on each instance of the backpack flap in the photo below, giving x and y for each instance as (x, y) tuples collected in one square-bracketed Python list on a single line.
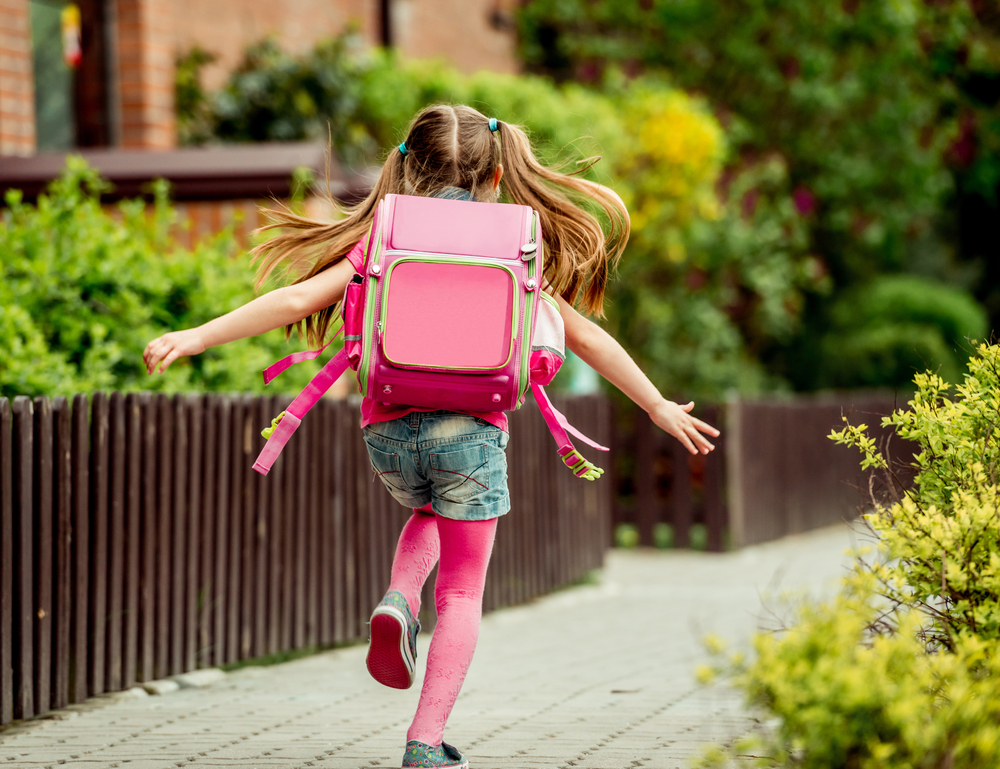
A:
[(443, 226)]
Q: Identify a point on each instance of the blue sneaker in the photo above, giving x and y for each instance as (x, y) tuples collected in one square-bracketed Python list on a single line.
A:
[(420, 754), (392, 648)]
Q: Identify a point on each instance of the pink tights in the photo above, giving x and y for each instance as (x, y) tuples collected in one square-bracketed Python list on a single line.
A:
[(464, 549)]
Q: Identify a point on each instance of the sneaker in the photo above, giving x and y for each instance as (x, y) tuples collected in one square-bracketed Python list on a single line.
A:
[(420, 754), (392, 649)]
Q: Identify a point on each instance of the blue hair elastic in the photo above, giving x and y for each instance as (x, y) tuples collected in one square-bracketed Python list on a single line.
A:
[(493, 124), (402, 148)]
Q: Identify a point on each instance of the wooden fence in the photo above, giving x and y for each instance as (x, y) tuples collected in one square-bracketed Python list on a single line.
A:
[(137, 543), (774, 471), (784, 474), (659, 482)]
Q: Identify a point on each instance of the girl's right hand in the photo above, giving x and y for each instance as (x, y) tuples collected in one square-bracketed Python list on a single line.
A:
[(676, 419), (170, 347)]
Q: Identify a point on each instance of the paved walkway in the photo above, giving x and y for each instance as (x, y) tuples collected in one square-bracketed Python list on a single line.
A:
[(597, 677)]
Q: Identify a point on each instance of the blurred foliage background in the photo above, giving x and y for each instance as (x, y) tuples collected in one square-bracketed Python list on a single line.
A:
[(83, 289), (812, 185)]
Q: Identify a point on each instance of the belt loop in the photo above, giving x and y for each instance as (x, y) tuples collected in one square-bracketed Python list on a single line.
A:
[(414, 419)]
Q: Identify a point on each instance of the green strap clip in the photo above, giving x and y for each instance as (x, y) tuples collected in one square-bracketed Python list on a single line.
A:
[(266, 432), (581, 468)]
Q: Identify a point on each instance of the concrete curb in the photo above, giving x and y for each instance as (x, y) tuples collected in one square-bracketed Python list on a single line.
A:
[(196, 679)]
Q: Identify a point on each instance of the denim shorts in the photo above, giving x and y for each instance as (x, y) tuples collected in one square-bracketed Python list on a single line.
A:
[(455, 462)]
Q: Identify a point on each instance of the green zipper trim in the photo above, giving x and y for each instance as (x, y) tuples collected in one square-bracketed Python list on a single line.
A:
[(446, 260), (529, 305), (550, 300)]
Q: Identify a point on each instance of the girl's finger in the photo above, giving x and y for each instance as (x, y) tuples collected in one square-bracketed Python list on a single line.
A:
[(703, 444), (171, 357), (684, 439), (688, 406), (705, 427)]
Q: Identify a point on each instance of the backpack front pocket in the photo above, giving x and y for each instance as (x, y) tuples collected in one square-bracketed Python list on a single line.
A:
[(448, 315)]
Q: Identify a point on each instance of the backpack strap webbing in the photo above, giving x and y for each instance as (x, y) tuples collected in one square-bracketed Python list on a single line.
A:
[(288, 361), (561, 429), (286, 423)]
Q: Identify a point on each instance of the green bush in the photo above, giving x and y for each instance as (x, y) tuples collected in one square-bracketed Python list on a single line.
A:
[(82, 291), (626, 535), (887, 330), (940, 540)]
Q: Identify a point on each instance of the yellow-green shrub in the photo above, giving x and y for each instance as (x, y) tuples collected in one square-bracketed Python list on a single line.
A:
[(940, 543), (847, 699), (902, 669)]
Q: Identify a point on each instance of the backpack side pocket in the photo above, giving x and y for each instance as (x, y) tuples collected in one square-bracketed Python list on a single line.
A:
[(354, 320)]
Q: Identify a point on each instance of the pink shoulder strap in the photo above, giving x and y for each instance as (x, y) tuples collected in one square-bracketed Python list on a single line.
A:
[(561, 429), (286, 423)]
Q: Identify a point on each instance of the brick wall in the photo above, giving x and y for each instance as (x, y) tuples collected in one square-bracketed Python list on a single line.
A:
[(149, 34), (226, 27), (146, 73), (471, 34), (17, 99)]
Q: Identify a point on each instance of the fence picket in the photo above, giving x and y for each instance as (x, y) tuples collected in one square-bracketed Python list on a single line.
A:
[(235, 539), (261, 535), (193, 405), (44, 545), (207, 590), (149, 528), (248, 525), (179, 524), (6, 566), (132, 539), (116, 541), (80, 633), (221, 590), (164, 531), (23, 587), (98, 542)]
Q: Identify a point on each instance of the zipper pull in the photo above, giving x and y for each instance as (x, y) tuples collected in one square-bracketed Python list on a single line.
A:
[(378, 332)]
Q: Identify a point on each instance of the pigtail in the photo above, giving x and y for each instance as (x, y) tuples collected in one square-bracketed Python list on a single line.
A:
[(306, 246), (580, 254)]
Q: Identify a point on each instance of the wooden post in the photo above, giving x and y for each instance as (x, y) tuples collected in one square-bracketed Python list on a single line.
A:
[(680, 492), (80, 633), (62, 593), (6, 566), (24, 593), (715, 513), (116, 541), (44, 551), (132, 538)]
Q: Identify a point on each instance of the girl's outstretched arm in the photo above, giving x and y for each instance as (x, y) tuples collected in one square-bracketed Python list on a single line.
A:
[(272, 310), (602, 352)]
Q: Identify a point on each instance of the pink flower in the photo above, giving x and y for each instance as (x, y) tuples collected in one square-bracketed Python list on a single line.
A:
[(805, 201)]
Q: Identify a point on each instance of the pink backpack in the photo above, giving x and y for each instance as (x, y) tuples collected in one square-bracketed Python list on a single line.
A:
[(447, 312)]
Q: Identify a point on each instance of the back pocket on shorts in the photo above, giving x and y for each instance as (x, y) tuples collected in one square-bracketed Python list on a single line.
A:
[(386, 467), (462, 473)]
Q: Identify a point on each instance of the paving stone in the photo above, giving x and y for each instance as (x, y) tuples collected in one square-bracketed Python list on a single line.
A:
[(597, 677)]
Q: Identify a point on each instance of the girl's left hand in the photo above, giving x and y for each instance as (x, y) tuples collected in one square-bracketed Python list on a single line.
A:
[(676, 420), (170, 347)]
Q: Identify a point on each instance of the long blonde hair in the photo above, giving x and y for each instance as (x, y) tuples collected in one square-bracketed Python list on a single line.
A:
[(453, 146)]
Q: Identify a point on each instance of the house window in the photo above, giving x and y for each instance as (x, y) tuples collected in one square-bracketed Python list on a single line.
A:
[(55, 123), (72, 103)]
